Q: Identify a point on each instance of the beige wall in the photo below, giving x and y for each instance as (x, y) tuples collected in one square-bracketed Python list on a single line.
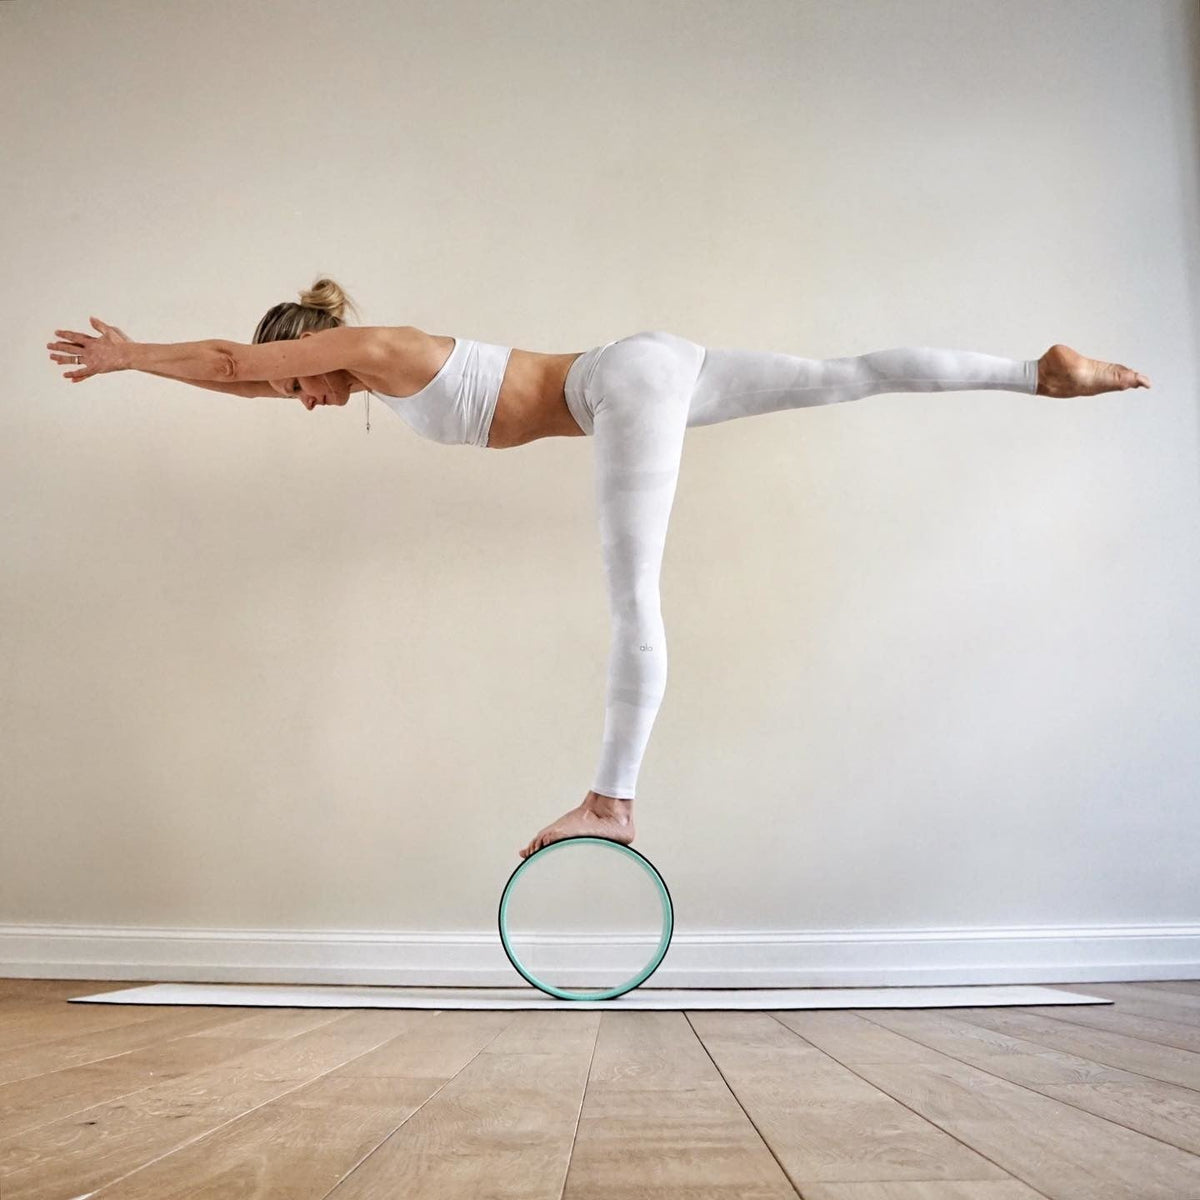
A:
[(933, 658)]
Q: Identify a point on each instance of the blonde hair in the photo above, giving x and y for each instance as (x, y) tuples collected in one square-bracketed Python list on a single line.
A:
[(322, 306)]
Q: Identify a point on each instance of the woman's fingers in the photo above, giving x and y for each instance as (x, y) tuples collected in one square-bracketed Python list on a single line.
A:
[(64, 352), (110, 330), (70, 350)]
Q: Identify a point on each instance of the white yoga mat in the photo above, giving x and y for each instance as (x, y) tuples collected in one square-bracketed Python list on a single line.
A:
[(277, 996)]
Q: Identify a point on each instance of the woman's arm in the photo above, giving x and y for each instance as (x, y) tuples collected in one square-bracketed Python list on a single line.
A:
[(210, 360), (216, 360), (184, 361), (345, 347), (256, 388)]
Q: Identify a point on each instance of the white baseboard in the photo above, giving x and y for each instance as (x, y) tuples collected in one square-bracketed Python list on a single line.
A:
[(798, 959)]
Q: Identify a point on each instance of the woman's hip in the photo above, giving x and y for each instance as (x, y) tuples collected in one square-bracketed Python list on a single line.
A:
[(649, 367)]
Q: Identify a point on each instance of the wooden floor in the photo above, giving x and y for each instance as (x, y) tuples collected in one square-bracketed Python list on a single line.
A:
[(138, 1103)]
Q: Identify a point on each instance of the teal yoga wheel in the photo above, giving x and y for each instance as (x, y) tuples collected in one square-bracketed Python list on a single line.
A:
[(668, 921)]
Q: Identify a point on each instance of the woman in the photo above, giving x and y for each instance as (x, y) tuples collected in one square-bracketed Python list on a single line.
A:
[(635, 396)]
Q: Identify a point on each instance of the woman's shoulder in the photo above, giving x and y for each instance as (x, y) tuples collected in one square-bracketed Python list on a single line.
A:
[(410, 342), (409, 357)]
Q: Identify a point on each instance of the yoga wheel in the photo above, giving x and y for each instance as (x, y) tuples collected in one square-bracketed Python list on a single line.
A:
[(563, 884)]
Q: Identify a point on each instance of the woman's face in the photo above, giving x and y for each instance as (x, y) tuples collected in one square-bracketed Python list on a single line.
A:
[(334, 387), (314, 390)]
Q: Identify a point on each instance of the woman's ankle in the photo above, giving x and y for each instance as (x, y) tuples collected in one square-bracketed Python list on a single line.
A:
[(609, 806)]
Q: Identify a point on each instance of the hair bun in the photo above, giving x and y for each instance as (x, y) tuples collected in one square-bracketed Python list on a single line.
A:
[(326, 296)]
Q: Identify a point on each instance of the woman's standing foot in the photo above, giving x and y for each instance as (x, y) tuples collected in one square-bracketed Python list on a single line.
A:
[(598, 816)]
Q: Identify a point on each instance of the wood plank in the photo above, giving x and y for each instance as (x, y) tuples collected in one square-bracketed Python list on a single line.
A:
[(60, 1053), (997, 1189), (821, 1120), (554, 1032), (1165, 1063), (1118, 1020), (27, 1103), (850, 1038), (1147, 1002), (301, 1143), (22, 1026), (658, 1121), (1150, 991), (57, 990), (275, 1023), (1162, 1110), (1190, 987), (68, 1157), (501, 1128), (1053, 1147)]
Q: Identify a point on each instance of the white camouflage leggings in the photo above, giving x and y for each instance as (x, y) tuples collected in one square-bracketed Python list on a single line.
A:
[(636, 396)]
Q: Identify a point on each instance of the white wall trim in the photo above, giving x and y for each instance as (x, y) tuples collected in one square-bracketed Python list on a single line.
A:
[(799, 959)]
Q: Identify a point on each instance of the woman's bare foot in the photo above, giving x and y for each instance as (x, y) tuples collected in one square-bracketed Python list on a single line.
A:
[(1065, 372), (597, 816)]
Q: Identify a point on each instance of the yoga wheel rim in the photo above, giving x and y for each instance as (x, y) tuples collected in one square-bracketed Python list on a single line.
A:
[(664, 941)]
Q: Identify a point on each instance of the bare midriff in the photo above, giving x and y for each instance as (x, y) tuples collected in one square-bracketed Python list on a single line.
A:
[(532, 403)]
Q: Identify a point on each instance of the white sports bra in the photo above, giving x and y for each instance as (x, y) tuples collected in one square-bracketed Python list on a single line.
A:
[(457, 405)]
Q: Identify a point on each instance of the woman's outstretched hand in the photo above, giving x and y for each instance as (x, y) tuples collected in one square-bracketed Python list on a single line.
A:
[(98, 354)]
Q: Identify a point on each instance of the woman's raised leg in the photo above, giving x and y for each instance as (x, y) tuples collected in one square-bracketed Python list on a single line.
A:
[(743, 383)]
